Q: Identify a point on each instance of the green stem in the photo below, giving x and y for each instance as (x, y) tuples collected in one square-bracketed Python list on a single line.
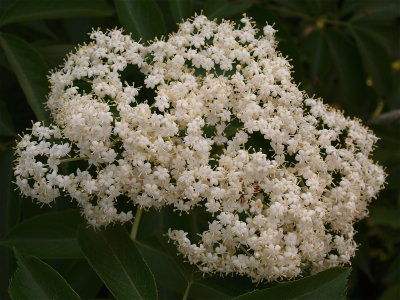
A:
[(244, 250), (114, 142), (73, 159), (136, 222), (186, 294)]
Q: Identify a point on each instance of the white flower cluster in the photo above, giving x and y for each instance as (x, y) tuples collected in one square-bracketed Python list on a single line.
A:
[(283, 176)]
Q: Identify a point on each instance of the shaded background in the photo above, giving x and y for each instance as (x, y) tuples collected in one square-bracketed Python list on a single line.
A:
[(345, 51)]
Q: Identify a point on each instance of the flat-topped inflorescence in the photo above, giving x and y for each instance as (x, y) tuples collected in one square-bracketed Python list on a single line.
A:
[(284, 176)]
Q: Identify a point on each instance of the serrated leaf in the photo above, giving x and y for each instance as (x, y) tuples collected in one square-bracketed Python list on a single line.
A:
[(329, 284), (225, 8), (35, 279), (28, 10), (80, 276), (30, 70), (117, 261), (51, 235), (143, 18), (181, 9), (375, 60)]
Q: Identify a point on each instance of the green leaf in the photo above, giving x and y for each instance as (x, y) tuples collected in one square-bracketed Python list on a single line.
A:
[(385, 216), (376, 61), (294, 5), (30, 69), (117, 261), (350, 6), (9, 203), (393, 273), (169, 270), (9, 214), (143, 18), (27, 10), (8, 267), (372, 10), (77, 29), (166, 270), (40, 27), (54, 54), (387, 152), (391, 293), (319, 7), (80, 276), (225, 8), (363, 257), (6, 125), (4, 4), (329, 284), (51, 235), (35, 279), (349, 67), (181, 9), (319, 59), (172, 273), (385, 36)]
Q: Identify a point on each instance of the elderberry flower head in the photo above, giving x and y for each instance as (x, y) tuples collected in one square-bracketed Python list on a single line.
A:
[(217, 123)]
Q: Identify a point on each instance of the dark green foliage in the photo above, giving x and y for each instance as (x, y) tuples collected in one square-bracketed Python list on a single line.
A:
[(116, 260), (30, 69), (346, 51), (51, 235), (27, 10), (35, 279), (143, 18), (329, 284)]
